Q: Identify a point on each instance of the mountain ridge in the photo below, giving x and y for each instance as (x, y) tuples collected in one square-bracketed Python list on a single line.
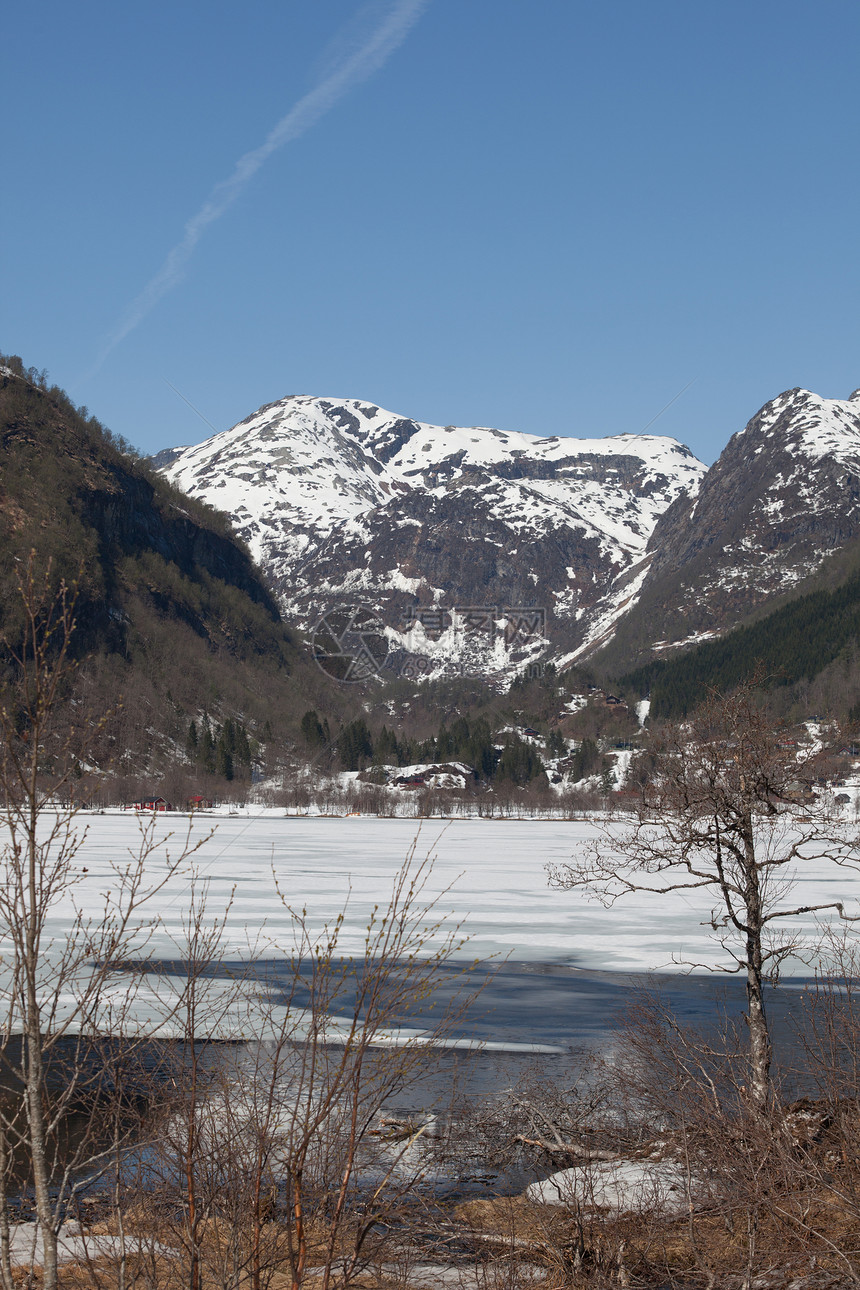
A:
[(344, 500), (631, 546)]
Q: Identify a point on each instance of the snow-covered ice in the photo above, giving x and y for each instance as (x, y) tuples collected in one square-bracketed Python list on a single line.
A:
[(565, 961), (489, 876)]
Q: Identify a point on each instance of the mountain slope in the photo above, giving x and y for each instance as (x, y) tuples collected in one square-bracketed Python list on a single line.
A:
[(173, 618), (798, 642), (782, 497), (69, 493), (340, 501)]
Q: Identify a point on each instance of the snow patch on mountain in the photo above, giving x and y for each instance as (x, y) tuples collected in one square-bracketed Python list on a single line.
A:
[(602, 622), (819, 427)]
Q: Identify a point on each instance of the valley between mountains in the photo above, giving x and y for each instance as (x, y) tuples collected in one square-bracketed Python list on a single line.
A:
[(636, 579), (155, 663)]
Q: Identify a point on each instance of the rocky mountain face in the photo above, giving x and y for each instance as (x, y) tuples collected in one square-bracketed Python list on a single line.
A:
[(628, 546), (783, 495), (468, 543)]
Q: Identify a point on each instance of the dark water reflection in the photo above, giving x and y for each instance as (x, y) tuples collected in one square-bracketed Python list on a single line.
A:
[(552, 1006), (528, 1020)]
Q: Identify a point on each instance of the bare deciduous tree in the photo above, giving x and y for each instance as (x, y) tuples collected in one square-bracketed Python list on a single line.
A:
[(274, 1157), (723, 813), (57, 959)]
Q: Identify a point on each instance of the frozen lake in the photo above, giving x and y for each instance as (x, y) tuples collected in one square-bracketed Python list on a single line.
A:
[(489, 877), (567, 964)]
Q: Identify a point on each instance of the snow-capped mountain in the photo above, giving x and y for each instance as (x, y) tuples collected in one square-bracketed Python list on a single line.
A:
[(783, 495), (341, 501)]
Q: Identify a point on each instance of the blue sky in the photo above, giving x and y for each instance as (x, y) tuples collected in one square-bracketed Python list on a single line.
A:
[(546, 216)]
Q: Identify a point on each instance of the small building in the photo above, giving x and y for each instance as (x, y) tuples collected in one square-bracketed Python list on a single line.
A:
[(198, 803), (410, 781), (153, 804)]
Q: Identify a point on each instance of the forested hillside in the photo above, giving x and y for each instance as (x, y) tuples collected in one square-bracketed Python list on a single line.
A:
[(807, 652), (177, 634)]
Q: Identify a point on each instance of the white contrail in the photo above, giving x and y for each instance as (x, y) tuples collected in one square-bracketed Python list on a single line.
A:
[(344, 76)]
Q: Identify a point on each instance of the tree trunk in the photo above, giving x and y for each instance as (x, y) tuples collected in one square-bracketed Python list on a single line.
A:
[(41, 1170), (298, 1269), (5, 1228), (35, 1064), (760, 1047)]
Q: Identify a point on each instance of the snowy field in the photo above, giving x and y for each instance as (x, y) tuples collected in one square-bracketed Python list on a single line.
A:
[(489, 876)]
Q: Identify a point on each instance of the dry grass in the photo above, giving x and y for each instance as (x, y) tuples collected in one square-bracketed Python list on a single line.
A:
[(795, 1223)]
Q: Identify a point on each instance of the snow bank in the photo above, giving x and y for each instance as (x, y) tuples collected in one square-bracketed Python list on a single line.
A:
[(622, 1186)]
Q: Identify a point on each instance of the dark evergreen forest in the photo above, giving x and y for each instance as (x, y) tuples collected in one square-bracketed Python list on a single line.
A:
[(795, 643)]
